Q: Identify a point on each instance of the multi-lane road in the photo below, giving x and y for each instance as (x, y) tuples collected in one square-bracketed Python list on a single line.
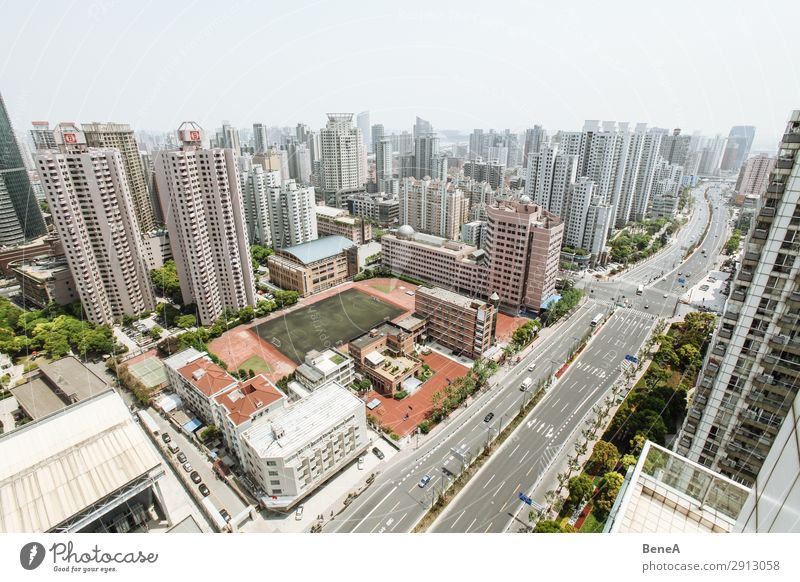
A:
[(525, 463), (490, 501)]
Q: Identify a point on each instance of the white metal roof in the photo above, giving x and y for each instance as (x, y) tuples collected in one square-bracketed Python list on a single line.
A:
[(57, 466)]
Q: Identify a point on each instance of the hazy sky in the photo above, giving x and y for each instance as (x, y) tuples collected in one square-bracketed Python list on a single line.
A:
[(698, 65)]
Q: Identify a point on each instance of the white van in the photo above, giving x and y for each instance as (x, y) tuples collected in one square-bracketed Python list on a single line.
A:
[(526, 383), (173, 447)]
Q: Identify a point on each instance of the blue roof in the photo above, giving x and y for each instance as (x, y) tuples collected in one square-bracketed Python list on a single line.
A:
[(192, 425), (550, 300), (316, 250)]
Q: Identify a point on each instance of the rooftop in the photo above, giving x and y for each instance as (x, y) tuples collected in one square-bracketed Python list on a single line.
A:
[(317, 250), (248, 398), (372, 335), (303, 421), (451, 297), (200, 371), (43, 267), (37, 399), (56, 467), (75, 380), (329, 212)]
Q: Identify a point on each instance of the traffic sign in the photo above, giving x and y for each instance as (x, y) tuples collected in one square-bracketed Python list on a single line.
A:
[(524, 498)]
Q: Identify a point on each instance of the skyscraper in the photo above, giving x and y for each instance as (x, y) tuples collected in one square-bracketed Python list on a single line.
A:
[(550, 174), (17, 192), (535, 138), (433, 206), (292, 214), (378, 133), (648, 158), (383, 160), (343, 155), (675, 147), (750, 377), (93, 211), (120, 136), (740, 139), (362, 121), (201, 196), (260, 141), (256, 186), (42, 136), (426, 150), (422, 127)]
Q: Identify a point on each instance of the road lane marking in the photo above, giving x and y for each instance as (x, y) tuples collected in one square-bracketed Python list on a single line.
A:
[(375, 508), (499, 488), (515, 450), (460, 515), (469, 527), (489, 481)]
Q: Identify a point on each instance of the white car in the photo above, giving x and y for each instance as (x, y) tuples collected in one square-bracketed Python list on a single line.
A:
[(531, 367), (298, 514), (187, 466)]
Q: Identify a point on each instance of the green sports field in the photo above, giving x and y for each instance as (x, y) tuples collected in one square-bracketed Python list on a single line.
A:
[(327, 323)]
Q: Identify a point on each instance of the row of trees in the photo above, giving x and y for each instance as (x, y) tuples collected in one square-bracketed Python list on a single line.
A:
[(570, 298), (525, 334), (56, 329), (455, 393), (733, 242)]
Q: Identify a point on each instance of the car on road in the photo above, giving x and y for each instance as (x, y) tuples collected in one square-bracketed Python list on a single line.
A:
[(526, 383), (424, 481), (203, 488), (531, 367), (665, 295), (225, 515), (182, 458), (298, 514), (488, 417), (188, 467), (361, 462), (195, 476), (704, 287), (165, 437), (378, 453), (646, 306)]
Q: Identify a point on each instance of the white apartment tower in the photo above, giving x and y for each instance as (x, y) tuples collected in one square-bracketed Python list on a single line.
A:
[(343, 154), (93, 211), (256, 185), (550, 175), (201, 196), (649, 156), (433, 207), (383, 161), (292, 212)]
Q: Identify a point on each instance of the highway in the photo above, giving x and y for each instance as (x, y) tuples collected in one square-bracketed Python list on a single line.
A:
[(490, 501), (395, 502)]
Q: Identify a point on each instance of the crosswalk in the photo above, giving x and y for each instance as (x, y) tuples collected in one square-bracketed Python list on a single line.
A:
[(608, 303)]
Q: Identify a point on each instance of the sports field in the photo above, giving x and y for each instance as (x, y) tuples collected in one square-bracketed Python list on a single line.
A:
[(149, 372), (327, 323)]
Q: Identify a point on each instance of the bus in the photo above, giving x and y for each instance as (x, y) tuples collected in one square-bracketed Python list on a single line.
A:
[(597, 319), (640, 289)]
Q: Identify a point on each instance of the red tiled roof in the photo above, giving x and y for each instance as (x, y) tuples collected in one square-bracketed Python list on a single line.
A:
[(251, 396), (213, 380)]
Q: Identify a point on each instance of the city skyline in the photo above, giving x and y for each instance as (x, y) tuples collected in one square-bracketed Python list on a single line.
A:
[(667, 76)]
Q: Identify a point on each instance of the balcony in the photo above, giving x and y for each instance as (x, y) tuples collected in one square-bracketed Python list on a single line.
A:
[(731, 315), (712, 368), (725, 333), (776, 188), (751, 256), (719, 350), (746, 276), (738, 296), (794, 297), (784, 164), (770, 359), (760, 234), (767, 211), (791, 137)]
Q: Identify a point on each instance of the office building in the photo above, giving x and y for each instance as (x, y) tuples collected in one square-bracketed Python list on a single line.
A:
[(378, 133), (201, 196), (86, 468), (335, 221), (422, 127), (312, 266), (750, 377), (383, 162), (675, 147), (296, 449), (737, 148), (20, 216), (321, 368), (382, 207), (93, 211), (120, 136), (363, 124), (433, 207), (462, 324), (343, 155), (426, 151), (260, 142)]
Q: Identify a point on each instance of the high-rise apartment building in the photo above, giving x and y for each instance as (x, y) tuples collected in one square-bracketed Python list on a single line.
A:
[(202, 201), (343, 155), (383, 161), (433, 207), (550, 175), (491, 172), (120, 136), (648, 158), (750, 377), (476, 145), (93, 212), (754, 175), (422, 127), (426, 152), (293, 218), (535, 138), (378, 133), (42, 136), (260, 142), (16, 192), (675, 147), (256, 185)]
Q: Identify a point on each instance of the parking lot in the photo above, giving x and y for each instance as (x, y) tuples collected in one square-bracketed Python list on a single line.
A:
[(221, 495)]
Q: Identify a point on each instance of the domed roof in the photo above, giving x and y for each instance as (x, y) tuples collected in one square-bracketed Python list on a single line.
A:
[(525, 199), (405, 231)]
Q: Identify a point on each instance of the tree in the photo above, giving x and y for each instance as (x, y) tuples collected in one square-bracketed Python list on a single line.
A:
[(627, 461), (609, 488), (246, 314), (605, 457), (156, 332), (209, 433), (260, 254), (166, 282), (186, 321), (548, 526), (581, 488)]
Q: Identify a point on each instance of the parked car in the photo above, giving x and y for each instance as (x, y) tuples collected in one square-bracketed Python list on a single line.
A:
[(704, 287), (181, 458), (225, 515), (165, 437), (378, 453), (196, 478), (187, 467), (531, 367), (488, 417), (424, 481), (298, 514), (203, 488)]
